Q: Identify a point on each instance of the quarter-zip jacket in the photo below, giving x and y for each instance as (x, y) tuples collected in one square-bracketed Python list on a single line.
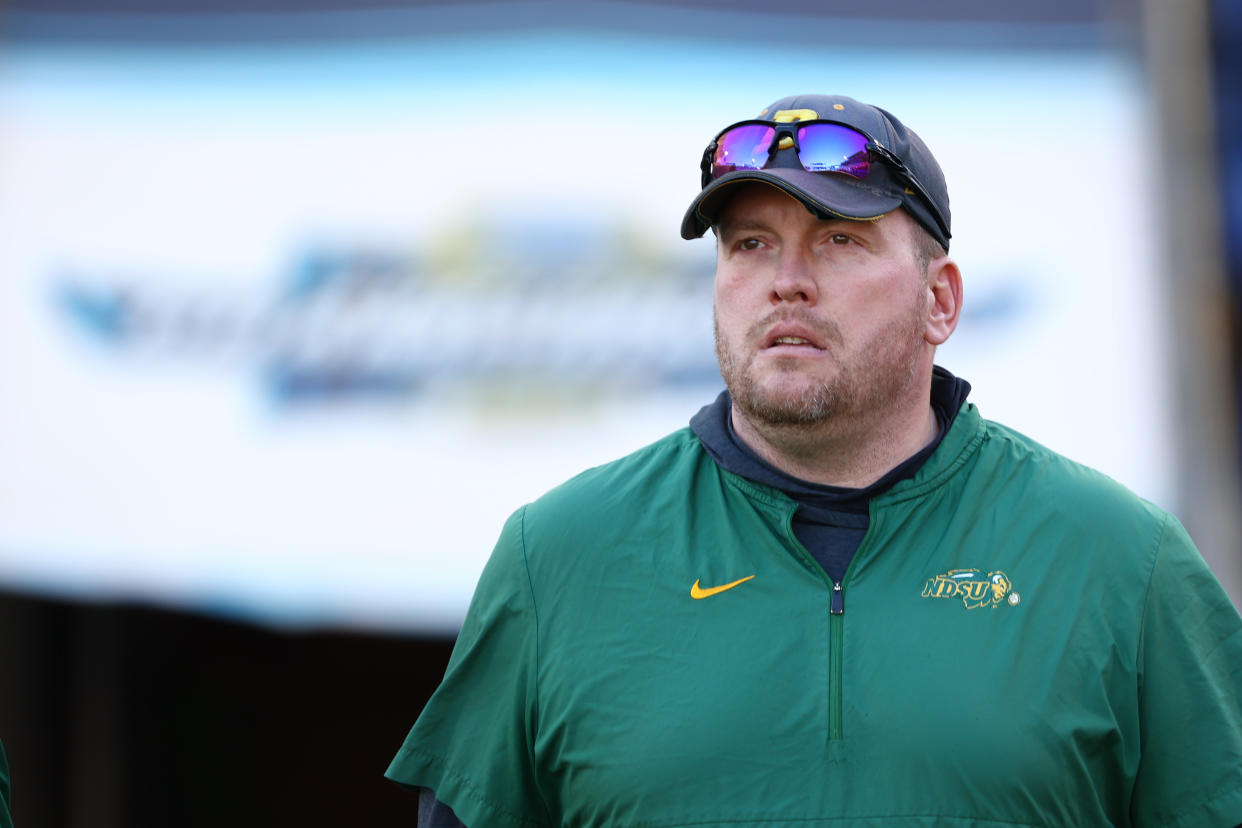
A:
[(1017, 641)]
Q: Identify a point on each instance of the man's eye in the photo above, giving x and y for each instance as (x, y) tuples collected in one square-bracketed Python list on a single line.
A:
[(840, 238), (750, 244)]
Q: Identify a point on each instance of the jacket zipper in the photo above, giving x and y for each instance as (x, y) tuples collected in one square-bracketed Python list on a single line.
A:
[(836, 640), (836, 634)]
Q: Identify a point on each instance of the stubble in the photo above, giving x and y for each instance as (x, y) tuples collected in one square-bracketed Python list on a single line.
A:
[(869, 379)]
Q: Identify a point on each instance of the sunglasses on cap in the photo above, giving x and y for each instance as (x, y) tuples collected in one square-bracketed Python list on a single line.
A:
[(822, 146)]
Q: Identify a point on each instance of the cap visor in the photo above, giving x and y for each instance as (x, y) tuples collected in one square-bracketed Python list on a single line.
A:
[(832, 193)]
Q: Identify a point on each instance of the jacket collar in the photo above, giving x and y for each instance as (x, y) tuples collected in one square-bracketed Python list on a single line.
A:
[(713, 428)]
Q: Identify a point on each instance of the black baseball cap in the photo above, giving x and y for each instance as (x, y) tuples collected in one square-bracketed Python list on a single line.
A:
[(907, 176)]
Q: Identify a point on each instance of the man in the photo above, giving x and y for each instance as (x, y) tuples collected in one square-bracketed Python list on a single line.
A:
[(664, 640)]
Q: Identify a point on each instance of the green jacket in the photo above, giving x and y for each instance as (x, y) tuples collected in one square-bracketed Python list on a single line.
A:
[(6, 819), (1023, 642)]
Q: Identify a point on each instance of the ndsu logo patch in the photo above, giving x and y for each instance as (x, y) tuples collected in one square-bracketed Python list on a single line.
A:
[(975, 588)]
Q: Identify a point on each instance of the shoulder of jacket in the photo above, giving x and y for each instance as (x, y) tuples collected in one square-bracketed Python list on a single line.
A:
[(603, 513), (664, 464), (1063, 484)]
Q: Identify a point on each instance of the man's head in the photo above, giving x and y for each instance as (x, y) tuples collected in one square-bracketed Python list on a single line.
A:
[(832, 291)]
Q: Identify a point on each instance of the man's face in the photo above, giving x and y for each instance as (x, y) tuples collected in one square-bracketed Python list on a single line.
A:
[(816, 319)]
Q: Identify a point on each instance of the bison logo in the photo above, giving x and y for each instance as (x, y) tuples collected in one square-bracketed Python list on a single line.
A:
[(974, 588)]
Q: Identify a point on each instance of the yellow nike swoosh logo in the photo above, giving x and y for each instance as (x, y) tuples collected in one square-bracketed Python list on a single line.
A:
[(697, 591)]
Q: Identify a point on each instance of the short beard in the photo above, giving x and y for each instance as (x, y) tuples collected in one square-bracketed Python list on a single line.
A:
[(810, 407), (868, 387)]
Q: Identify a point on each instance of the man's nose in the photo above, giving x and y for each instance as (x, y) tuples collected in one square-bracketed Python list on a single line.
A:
[(794, 280)]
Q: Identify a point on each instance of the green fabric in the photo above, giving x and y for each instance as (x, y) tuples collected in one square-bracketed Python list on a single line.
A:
[(1024, 642), (6, 819)]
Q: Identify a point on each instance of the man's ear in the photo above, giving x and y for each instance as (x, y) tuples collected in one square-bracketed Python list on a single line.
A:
[(944, 283)]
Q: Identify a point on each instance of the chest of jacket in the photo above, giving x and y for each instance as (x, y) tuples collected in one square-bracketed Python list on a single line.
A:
[(976, 662)]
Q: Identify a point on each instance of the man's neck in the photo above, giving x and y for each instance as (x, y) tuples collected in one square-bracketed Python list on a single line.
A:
[(837, 452)]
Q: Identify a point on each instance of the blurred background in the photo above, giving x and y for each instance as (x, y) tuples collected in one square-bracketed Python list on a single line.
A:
[(299, 299)]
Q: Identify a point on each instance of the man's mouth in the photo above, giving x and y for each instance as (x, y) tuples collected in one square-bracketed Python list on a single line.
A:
[(792, 340), (793, 335)]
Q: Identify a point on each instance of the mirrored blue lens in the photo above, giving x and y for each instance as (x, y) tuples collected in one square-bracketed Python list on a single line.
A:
[(833, 148), (743, 148)]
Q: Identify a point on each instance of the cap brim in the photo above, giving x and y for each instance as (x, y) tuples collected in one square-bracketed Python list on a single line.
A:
[(834, 194)]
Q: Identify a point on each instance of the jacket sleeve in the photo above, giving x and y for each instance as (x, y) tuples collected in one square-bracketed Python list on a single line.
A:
[(1190, 695), (473, 744), (6, 819)]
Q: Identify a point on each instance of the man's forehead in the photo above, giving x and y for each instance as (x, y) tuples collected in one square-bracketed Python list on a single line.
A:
[(754, 202), (752, 198)]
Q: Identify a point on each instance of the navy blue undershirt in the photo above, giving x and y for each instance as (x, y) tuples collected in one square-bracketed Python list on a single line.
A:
[(831, 520)]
